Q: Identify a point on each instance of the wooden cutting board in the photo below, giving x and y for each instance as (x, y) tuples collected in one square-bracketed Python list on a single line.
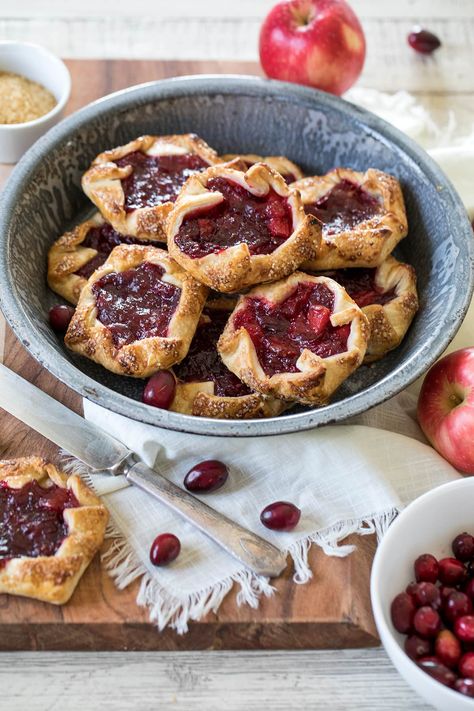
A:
[(331, 611)]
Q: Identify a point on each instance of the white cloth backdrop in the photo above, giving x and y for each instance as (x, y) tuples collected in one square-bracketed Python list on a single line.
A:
[(348, 478)]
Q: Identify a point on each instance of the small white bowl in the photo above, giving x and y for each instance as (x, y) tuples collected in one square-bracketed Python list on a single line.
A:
[(428, 525), (40, 65)]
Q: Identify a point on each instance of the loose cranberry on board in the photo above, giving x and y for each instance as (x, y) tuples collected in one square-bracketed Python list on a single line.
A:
[(423, 41)]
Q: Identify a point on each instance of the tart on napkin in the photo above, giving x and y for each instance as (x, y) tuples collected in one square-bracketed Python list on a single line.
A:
[(297, 339), (231, 229), (134, 186), (51, 528), (138, 312)]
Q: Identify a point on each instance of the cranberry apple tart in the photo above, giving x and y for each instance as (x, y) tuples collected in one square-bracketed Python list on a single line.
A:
[(137, 313), (296, 339), (134, 186), (231, 229), (363, 217), (206, 388), (74, 257), (387, 295), (51, 527), (287, 169)]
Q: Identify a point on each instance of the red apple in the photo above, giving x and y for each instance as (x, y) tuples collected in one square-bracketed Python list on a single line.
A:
[(446, 408), (319, 43)]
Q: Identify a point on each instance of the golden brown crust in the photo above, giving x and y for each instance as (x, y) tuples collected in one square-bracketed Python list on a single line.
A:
[(371, 241), (54, 578), (221, 302), (234, 268), (389, 322), (198, 399), (282, 165), (317, 378), (67, 255), (89, 337), (102, 183)]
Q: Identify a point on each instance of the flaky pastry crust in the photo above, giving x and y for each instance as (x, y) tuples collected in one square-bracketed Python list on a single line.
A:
[(234, 268), (102, 183), (67, 255), (317, 378), (389, 323), (89, 337), (368, 243), (282, 165), (198, 399), (54, 578)]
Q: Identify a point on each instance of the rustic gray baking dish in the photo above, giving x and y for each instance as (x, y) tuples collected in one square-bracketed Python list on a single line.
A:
[(248, 115)]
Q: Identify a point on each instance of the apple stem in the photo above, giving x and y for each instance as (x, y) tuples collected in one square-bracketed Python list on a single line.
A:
[(455, 400), (303, 13)]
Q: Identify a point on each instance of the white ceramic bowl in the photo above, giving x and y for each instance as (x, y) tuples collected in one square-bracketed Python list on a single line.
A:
[(428, 525), (40, 65)]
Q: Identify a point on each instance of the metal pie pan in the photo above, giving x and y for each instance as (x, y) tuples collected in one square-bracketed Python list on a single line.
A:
[(234, 114)]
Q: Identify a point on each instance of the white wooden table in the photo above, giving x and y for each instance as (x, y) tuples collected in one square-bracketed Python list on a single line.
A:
[(225, 29)]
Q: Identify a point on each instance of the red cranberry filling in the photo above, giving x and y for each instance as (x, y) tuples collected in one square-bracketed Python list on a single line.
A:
[(136, 303), (344, 207), (31, 519), (155, 180), (360, 285), (263, 223), (203, 362), (281, 331), (103, 239)]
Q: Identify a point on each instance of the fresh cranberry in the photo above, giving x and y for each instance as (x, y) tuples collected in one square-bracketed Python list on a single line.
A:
[(160, 390), (464, 628), (456, 605), (470, 569), (60, 317), (448, 648), (411, 587), (463, 547), (423, 41), (280, 516), (426, 594), (206, 476), (451, 571), (445, 592), (427, 622), (164, 549), (469, 589), (465, 686), (403, 611), (436, 669), (417, 647), (466, 665), (426, 568)]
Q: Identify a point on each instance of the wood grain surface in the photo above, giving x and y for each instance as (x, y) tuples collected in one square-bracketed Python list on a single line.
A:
[(333, 610)]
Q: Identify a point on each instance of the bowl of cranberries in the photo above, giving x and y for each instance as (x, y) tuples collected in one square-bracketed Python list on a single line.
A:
[(422, 590)]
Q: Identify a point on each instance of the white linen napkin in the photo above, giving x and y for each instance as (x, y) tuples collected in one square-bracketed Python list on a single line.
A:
[(350, 478)]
